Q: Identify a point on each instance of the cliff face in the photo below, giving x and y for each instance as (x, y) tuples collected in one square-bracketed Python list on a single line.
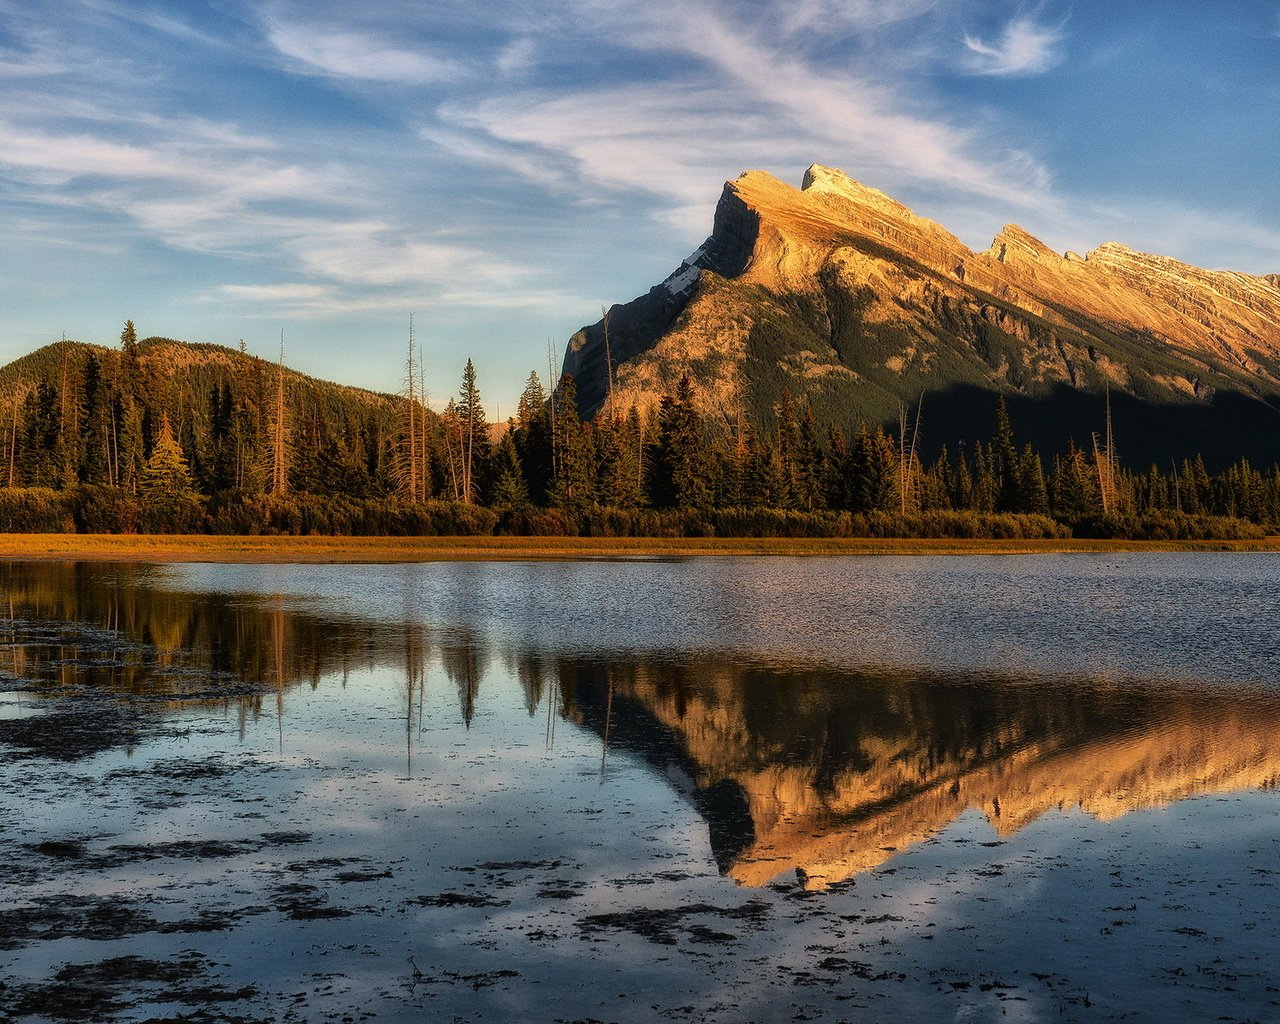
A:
[(842, 294)]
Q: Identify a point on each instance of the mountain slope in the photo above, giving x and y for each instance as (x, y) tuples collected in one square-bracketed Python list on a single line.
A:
[(84, 413), (845, 296)]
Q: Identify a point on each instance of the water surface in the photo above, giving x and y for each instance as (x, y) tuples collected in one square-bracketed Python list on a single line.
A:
[(1035, 788)]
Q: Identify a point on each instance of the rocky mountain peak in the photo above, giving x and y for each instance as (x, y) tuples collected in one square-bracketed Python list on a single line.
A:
[(821, 180), (838, 292), (1014, 242)]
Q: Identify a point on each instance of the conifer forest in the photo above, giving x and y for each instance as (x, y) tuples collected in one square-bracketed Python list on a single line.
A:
[(160, 436)]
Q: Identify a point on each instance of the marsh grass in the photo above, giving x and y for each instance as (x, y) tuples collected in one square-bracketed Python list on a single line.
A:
[(205, 548)]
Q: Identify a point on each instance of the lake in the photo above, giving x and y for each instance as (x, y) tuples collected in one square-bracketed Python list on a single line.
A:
[(1032, 788)]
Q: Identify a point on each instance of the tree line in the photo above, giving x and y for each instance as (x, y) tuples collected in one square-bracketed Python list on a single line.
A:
[(205, 439)]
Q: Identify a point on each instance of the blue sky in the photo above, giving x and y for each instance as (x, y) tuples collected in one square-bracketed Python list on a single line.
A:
[(226, 170)]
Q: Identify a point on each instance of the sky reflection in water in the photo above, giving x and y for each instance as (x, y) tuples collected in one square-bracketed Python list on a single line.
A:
[(724, 788)]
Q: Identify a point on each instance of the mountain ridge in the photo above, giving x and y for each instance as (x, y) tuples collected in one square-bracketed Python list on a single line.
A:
[(840, 293)]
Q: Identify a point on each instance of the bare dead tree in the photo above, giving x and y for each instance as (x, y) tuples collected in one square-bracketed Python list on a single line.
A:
[(907, 459), (279, 432), (608, 361)]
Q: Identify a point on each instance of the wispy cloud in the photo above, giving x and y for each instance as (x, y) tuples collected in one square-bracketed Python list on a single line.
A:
[(518, 57), (272, 292), (350, 53), (857, 16), (1024, 47), (754, 100)]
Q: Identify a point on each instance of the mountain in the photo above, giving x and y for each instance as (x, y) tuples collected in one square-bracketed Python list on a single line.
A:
[(850, 300), (181, 370), (87, 413)]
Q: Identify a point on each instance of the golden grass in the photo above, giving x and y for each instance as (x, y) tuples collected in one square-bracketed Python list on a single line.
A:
[(166, 548)]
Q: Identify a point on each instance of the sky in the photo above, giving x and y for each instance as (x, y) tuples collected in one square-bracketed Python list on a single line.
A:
[(227, 170)]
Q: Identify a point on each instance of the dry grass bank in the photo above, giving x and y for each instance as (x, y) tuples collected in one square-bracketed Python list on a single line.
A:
[(167, 548)]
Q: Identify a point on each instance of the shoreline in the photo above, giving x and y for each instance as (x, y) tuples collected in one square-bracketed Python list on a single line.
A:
[(354, 550)]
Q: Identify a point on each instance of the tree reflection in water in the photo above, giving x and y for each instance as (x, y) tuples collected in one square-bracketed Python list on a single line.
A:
[(796, 768)]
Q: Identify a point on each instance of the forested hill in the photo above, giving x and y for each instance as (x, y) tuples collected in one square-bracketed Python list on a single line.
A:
[(76, 413)]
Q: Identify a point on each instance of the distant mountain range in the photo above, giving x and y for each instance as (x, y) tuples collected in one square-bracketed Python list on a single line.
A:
[(855, 304)]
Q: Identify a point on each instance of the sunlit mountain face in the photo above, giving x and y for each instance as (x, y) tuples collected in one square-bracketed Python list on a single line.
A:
[(844, 297)]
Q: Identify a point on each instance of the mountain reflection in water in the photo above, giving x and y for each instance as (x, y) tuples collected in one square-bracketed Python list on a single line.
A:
[(824, 773)]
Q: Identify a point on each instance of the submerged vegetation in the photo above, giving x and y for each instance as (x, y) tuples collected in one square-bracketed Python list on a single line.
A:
[(163, 437)]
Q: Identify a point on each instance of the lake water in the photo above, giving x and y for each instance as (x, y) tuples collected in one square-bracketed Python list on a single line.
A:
[(722, 789)]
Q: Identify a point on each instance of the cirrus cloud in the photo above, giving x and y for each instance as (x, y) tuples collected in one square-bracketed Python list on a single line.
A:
[(1023, 47)]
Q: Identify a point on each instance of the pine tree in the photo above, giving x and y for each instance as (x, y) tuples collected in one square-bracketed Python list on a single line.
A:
[(575, 469), (129, 340), (168, 493), (41, 456), (874, 475), (985, 484), (1033, 495), (509, 489), (533, 440), (473, 436), (1006, 464), (1075, 489), (166, 471), (836, 470), (680, 470)]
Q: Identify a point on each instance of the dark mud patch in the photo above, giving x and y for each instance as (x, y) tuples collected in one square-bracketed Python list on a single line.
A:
[(516, 865), (560, 893), (342, 870), (95, 991), (74, 853), (477, 981), (301, 902), (184, 849), (346, 877), (285, 838), (104, 918), (459, 899), (59, 849), (665, 926), (845, 967), (78, 729), (177, 769)]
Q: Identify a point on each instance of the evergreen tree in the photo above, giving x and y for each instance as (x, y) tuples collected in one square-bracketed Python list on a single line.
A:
[(575, 464), (94, 439), (808, 462), (166, 471), (41, 454), (616, 471), (170, 501), (533, 440), (985, 485), (680, 471), (1033, 495), (836, 470), (473, 436), (961, 483), (936, 485), (874, 472), (509, 488), (129, 341), (768, 484), (1008, 497)]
